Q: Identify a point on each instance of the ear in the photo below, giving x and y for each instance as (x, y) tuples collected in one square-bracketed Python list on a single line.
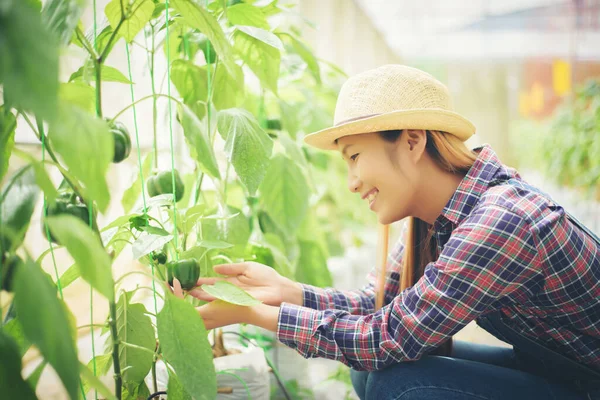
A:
[(416, 140)]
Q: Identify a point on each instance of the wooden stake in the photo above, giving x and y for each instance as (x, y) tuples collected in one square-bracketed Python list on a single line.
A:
[(382, 253)]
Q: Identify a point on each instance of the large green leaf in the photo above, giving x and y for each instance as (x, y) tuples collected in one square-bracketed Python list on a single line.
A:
[(230, 293), (131, 195), (8, 125), (285, 193), (28, 60), (86, 147), (134, 327), (227, 227), (86, 249), (80, 94), (109, 74), (12, 384), (46, 327), (312, 265), (197, 17), (176, 390), (138, 14), (62, 16), (248, 147), (198, 142), (247, 14), (190, 81), (261, 50), (303, 51), (16, 207), (228, 92), (183, 340)]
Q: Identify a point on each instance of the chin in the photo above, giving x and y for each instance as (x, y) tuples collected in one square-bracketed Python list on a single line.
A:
[(386, 219)]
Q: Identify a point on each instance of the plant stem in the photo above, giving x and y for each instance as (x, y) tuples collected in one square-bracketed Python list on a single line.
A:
[(113, 331), (198, 188), (98, 68), (154, 383)]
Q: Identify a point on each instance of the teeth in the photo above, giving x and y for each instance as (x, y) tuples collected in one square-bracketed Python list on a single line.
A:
[(371, 196)]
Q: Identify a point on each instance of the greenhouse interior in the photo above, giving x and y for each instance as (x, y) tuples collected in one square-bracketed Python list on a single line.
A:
[(180, 219)]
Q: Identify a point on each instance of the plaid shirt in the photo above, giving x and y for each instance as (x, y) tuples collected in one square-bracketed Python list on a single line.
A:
[(501, 247)]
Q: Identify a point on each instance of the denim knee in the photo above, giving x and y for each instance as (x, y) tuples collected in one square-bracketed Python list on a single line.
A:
[(359, 382)]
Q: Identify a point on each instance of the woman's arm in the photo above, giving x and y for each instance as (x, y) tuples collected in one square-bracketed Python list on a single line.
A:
[(490, 257)]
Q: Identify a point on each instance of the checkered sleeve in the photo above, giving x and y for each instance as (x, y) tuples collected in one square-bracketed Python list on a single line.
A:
[(489, 260), (361, 301)]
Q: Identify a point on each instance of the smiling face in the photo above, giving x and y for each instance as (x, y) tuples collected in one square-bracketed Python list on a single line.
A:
[(387, 173)]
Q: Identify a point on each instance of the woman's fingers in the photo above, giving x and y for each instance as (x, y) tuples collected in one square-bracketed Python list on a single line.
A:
[(208, 281), (231, 269), (201, 294), (177, 290)]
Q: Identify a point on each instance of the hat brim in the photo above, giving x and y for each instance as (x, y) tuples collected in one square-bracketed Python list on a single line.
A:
[(429, 119)]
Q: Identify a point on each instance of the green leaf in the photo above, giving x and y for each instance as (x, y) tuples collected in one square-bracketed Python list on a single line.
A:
[(228, 92), (69, 276), (230, 293), (134, 327), (131, 195), (199, 143), (190, 81), (12, 384), (135, 391), (109, 74), (285, 193), (34, 377), (184, 343), (147, 243), (304, 52), (28, 60), (8, 125), (17, 202), (61, 17), (43, 181), (86, 249), (228, 229), (248, 147), (176, 390), (80, 94), (246, 14), (15, 330), (86, 147), (260, 49), (95, 383), (46, 327), (197, 17), (312, 265), (138, 14)]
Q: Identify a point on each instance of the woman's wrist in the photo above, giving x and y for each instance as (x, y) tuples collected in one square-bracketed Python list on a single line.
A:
[(264, 316), (292, 292)]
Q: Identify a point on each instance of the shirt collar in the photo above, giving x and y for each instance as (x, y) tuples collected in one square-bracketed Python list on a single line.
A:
[(487, 167)]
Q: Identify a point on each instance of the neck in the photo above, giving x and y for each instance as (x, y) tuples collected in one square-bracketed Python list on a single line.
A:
[(435, 192)]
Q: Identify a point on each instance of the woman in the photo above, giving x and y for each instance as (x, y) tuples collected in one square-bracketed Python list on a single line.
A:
[(481, 245)]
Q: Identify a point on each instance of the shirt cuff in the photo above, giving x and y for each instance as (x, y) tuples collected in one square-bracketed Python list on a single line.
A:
[(313, 297), (296, 326)]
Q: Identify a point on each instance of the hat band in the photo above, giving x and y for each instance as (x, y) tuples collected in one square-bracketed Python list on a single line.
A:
[(355, 119)]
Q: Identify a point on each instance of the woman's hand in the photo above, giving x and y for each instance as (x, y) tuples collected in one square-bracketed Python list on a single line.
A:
[(219, 313), (261, 281)]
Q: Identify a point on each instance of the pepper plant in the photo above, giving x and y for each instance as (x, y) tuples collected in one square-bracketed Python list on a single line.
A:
[(273, 199)]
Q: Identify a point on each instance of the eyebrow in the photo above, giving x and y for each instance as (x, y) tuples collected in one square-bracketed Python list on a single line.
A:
[(344, 149)]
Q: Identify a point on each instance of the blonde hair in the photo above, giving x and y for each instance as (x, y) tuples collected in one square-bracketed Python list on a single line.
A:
[(451, 155)]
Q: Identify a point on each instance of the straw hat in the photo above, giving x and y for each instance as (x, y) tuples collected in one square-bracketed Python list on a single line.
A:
[(391, 97)]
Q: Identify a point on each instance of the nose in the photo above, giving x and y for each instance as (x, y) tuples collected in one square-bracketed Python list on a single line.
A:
[(353, 182)]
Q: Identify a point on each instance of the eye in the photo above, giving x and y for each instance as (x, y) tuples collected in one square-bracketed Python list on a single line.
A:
[(353, 157)]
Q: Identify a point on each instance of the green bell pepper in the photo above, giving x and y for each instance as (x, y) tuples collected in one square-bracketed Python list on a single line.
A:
[(162, 183), (122, 141), (186, 271), (68, 203)]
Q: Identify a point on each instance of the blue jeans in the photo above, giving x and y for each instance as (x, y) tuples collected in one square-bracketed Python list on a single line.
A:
[(473, 371)]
